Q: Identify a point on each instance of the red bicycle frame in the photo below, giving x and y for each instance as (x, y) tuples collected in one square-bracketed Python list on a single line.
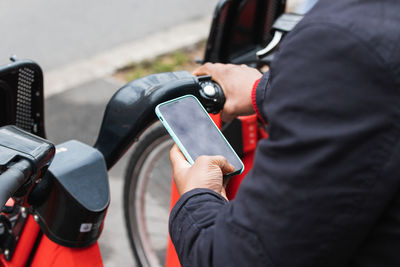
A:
[(48, 253)]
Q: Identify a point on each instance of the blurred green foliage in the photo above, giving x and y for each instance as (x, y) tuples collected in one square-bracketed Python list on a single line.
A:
[(166, 63)]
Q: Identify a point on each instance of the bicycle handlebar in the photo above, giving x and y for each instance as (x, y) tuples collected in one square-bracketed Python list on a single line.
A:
[(13, 178), (23, 158), (131, 110)]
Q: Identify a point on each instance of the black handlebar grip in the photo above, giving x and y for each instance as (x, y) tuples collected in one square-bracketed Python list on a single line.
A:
[(131, 109), (12, 179)]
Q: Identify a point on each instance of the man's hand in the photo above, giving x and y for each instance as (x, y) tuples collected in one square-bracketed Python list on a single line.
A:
[(236, 82), (206, 172)]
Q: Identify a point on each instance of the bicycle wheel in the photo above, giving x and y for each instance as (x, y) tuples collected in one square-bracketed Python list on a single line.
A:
[(147, 196)]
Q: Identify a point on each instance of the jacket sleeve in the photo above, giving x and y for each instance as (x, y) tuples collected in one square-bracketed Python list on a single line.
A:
[(321, 180), (260, 83)]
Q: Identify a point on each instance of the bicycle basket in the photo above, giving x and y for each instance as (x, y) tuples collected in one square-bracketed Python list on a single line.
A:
[(21, 96)]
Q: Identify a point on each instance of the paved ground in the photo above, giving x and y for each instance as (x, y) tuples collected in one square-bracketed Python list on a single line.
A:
[(56, 33)]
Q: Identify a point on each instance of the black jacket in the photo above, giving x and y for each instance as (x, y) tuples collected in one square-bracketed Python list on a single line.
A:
[(324, 189)]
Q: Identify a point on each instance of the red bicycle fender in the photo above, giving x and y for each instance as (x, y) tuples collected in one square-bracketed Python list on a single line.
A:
[(52, 254)]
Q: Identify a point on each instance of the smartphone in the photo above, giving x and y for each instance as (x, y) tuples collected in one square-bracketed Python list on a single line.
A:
[(195, 132)]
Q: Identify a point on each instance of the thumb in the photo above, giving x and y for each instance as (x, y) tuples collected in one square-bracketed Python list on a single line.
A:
[(178, 160), (202, 70), (223, 164)]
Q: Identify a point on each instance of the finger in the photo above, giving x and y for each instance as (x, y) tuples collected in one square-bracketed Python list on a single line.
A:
[(226, 117), (227, 168), (223, 164), (178, 160), (213, 69), (202, 70)]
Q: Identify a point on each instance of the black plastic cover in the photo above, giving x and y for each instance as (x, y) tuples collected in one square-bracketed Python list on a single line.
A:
[(72, 209)]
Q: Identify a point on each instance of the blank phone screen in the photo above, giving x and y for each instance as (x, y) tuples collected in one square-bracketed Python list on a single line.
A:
[(195, 130)]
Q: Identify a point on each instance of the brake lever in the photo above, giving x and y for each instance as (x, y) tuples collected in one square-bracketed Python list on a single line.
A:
[(283, 25), (271, 45)]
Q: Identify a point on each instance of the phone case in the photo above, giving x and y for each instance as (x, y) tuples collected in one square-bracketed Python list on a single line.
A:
[(178, 142)]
